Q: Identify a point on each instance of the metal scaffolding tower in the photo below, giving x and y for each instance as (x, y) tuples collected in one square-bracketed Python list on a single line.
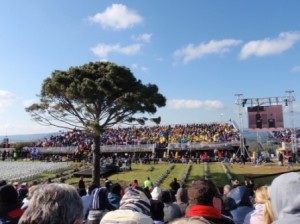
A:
[(287, 100), (242, 149)]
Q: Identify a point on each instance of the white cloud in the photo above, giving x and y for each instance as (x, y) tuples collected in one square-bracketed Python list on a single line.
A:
[(142, 68), (146, 37), (27, 103), (265, 47), (194, 104), (134, 66), (117, 16), (6, 99), (296, 69), (102, 50), (192, 52)]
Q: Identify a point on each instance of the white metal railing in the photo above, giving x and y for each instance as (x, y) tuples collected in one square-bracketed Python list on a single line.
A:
[(53, 150), (134, 148), (131, 148), (195, 146), (7, 149)]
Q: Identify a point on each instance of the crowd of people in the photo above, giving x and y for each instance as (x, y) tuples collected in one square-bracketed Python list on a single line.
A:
[(143, 203), (285, 135), (160, 134)]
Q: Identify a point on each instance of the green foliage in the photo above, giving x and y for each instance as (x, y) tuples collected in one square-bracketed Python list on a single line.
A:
[(93, 97)]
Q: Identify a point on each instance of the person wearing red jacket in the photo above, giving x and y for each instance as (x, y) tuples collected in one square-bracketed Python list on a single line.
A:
[(201, 194)]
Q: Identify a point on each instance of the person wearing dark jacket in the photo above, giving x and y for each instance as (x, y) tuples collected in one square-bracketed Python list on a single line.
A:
[(239, 203), (10, 208), (171, 209), (174, 186), (114, 196)]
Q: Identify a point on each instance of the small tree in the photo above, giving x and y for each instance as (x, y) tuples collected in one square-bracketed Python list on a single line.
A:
[(93, 97)]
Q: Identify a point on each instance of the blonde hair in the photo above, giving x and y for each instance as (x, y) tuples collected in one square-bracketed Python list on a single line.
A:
[(262, 197)]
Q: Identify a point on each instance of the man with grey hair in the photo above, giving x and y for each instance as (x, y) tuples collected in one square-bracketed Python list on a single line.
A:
[(54, 203)]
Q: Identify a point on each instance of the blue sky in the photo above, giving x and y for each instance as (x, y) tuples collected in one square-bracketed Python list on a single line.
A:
[(199, 53)]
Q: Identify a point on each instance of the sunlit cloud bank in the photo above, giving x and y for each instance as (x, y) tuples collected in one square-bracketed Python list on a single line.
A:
[(194, 104)]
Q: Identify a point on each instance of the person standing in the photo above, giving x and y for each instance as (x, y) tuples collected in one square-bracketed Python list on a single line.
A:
[(135, 183), (148, 183), (174, 186), (280, 159), (81, 183)]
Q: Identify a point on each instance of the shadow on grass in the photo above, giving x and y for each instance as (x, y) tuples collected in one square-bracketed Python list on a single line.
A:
[(220, 179), (260, 174)]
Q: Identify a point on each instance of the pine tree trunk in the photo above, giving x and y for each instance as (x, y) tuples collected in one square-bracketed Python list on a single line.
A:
[(96, 161)]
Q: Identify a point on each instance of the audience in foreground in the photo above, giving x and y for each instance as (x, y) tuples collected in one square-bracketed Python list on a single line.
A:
[(262, 213), (54, 204), (10, 206), (134, 209), (201, 195), (61, 203), (240, 203), (284, 193)]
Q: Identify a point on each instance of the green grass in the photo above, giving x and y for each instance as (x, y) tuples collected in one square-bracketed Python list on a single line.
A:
[(177, 172), (216, 174), (239, 172), (196, 173), (139, 172)]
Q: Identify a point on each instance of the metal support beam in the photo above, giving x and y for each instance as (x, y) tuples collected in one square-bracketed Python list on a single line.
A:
[(286, 100)]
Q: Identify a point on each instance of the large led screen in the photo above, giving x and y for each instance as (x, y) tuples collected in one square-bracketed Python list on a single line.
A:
[(265, 118)]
